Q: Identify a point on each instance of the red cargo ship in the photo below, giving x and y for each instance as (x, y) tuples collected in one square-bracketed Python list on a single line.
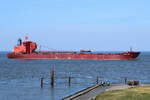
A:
[(27, 50)]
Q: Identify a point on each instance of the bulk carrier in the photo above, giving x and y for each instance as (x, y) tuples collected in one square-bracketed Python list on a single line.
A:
[(27, 50)]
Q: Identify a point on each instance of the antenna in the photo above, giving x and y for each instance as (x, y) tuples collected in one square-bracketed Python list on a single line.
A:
[(40, 48), (130, 49), (26, 37)]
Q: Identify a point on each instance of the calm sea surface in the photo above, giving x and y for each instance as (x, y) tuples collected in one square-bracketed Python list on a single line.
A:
[(20, 79)]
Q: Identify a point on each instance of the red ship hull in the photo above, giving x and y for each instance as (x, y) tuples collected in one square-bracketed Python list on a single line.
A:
[(76, 56)]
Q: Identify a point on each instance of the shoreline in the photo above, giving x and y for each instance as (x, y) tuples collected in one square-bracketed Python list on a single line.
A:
[(95, 90)]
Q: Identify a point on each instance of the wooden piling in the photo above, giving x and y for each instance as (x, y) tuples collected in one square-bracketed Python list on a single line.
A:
[(52, 77), (125, 80), (42, 82), (97, 80), (69, 81)]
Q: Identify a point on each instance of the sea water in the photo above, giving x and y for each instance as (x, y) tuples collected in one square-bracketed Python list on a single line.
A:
[(20, 79)]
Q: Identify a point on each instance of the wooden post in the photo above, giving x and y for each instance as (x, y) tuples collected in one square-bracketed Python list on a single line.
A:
[(52, 77), (125, 80), (42, 82), (69, 81), (97, 80)]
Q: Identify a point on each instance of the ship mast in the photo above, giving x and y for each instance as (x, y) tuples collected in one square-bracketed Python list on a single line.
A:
[(26, 38), (130, 49)]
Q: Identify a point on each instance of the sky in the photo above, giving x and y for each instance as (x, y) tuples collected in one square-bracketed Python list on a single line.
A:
[(99, 25)]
